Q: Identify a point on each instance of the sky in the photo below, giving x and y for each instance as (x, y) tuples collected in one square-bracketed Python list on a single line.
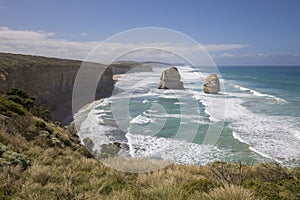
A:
[(234, 32)]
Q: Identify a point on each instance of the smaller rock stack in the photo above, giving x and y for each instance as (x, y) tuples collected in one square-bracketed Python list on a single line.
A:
[(170, 79), (211, 84)]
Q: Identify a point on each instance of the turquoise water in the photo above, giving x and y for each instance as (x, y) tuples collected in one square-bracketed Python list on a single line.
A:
[(255, 118), (282, 82)]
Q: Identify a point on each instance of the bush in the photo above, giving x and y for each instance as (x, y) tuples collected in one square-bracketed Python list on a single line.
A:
[(40, 124), (88, 142), (229, 173), (166, 190), (231, 192), (19, 96), (57, 123), (18, 92), (19, 101), (8, 157), (42, 111), (16, 102), (270, 172), (10, 108), (273, 181), (201, 185), (109, 150), (22, 123)]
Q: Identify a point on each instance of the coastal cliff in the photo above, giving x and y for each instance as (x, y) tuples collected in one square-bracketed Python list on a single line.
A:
[(49, 80), (122, 67)]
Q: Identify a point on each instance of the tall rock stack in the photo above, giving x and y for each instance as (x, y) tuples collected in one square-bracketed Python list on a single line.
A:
[(170, 79), (211, 84)]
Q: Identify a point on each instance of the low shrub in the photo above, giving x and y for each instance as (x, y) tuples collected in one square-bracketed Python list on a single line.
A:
[(42, 112), (8, 157), (227, 192)]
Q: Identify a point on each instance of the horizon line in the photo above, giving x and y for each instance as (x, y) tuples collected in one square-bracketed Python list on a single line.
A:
[(221, 65)]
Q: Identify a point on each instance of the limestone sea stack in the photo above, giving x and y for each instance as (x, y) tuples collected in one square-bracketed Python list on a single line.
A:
[(170, 79), (211, 84)]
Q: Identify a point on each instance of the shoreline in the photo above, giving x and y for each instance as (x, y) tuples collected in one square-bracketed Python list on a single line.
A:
[(83, 112), (116, 77)]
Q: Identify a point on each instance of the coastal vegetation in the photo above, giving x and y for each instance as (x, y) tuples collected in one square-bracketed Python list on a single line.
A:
[(39, 159)]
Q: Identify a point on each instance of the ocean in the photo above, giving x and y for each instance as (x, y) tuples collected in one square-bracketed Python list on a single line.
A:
[(255, 117)]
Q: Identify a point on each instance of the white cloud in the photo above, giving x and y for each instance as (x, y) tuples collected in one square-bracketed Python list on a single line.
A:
[(46, 43), (41, 43), (224, 47), (227, 55), (262, 55)]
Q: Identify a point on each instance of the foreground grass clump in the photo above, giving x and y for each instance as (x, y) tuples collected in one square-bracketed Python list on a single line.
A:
[(8, 157), (41, 160), (231, 192)]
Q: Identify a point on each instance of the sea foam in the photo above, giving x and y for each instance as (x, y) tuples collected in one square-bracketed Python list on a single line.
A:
[(177, 151), (272, 137), (259, 94)]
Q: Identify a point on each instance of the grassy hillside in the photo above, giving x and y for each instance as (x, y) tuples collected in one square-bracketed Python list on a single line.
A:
[(41, 160), (9, 60)]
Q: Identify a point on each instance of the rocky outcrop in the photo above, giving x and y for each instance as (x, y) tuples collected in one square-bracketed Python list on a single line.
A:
[(211, 84), (170, 79), (50, 80)]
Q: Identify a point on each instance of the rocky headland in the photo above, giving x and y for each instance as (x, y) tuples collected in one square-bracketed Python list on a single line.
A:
[(122, 67), (49, 80)]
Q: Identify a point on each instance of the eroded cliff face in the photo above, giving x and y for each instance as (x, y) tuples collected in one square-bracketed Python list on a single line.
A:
[(50, 80)]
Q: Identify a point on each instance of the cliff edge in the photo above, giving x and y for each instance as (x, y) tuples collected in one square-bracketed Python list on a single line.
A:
[(49, 80)]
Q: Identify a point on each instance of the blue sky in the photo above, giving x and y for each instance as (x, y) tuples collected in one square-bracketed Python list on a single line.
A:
[(268, 31)]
